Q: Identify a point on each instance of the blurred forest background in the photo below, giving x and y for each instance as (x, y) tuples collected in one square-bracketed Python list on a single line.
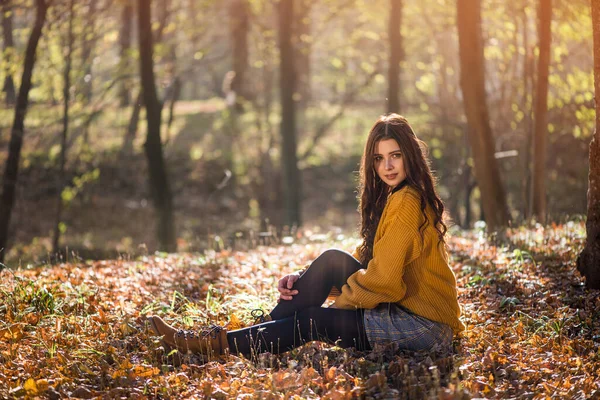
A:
[(254, 113)]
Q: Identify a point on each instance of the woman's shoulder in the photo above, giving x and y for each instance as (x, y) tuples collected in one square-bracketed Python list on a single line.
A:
[(407, 194), (405, 200)]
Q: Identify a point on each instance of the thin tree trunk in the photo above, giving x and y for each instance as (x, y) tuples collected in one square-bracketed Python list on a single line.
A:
[(125, 49), (470, 186), (269, 185), (287, 76), (132, 127), (159, 182), (194, 81), (7, 30), (164, 11), (239, 25), (472, 81), (175, 94), (87, 48), (303, 44), (16, 136), (395, 38), (527, 85), (588, 262), (234, 83), (468, 181), (63, 144), (541, 111), (172, 94)]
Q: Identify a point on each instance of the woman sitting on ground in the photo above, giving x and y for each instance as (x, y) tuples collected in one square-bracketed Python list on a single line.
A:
[(396, 287)]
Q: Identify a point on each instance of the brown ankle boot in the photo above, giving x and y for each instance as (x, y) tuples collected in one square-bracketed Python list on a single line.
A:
[(208, 341)]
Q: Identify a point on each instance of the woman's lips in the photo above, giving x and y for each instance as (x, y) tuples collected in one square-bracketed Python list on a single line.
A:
[(391, 176)]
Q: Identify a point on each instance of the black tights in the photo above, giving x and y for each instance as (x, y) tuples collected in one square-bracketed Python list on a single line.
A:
[(302, 319)]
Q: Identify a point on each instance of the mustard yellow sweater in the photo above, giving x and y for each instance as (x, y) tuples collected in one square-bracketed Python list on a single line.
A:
[(405, 269)]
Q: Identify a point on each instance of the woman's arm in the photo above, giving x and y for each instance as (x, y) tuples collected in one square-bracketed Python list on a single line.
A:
[(399, 244)]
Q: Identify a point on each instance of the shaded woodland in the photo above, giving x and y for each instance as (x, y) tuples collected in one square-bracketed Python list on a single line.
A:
[(132, 126)]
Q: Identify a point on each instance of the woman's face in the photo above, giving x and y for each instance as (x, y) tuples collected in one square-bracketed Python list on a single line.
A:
[(389, 163)]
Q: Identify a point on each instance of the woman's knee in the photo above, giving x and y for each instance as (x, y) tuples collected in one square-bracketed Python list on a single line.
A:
[(333, 265), (334, 256), (326, 259)]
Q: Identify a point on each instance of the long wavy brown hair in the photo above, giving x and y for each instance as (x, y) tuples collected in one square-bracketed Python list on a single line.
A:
[(373, 192)]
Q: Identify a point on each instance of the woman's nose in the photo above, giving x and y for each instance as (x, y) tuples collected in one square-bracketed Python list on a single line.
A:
[(388, 164)]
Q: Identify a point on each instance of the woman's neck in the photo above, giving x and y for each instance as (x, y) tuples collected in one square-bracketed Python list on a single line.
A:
[(399, 186)]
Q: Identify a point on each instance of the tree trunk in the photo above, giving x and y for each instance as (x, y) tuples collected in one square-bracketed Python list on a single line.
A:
[(132, 127), (303, 43), (125, 47), (159, 182), (541, 111), (193, 80), (239, 23), (63, 144), (395, 42), (7, 30), (472, 82), (287, 76), (235, 85), (468, 209), (16, 136), (175, 94), (164, 10), (89, 41), (174, 91), (528, 82), (588, 262)]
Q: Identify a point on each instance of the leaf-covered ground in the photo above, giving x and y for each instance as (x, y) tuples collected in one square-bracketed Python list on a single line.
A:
[(78, 329)]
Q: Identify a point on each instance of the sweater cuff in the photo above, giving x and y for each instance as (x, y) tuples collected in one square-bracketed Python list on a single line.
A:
[(342, 303)]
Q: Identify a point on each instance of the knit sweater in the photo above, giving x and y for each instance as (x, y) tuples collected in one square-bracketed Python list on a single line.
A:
[(406, 269)]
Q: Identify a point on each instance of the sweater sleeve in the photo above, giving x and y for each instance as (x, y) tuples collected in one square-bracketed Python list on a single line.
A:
[(381, 282)]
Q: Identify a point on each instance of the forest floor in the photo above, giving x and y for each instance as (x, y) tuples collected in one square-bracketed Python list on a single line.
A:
[(78, 329)]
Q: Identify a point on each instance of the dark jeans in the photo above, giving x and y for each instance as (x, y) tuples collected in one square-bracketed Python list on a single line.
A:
[(302, 319)]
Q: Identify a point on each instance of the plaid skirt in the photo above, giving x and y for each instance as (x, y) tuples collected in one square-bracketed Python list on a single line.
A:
[(389, 323)]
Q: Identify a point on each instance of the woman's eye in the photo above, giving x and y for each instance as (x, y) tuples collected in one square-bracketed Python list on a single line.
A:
[(397, 155), (378, 158)]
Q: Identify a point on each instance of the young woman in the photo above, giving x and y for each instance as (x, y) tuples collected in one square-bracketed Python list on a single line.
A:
[(396, 286)]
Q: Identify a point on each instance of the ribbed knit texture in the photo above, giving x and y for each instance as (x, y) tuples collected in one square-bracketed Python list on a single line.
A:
[(406, 269)]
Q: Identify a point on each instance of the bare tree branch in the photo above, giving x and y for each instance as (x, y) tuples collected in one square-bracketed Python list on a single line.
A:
[(324, 128)]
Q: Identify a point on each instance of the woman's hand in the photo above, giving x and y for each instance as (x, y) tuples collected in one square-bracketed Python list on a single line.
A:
[(285, 287)]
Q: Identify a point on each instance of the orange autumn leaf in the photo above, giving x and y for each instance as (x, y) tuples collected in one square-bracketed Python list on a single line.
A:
[(31, 387), (234, 323)]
